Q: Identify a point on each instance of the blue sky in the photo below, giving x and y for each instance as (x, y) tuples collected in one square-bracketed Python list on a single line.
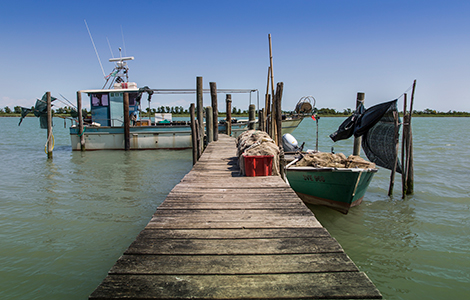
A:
[(328, 49)]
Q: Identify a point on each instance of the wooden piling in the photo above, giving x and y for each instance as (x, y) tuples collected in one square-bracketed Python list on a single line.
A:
[(357, 140), (410, 170), (80, 121), (199, 112), (262, 121), (403, 141), (209, 125), (251, 116), (127, 123), (215, 112), (279, 90), (392, 175), (50, 137), (228, 119), (193, 132)]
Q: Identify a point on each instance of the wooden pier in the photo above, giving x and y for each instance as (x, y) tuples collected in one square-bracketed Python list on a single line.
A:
[(219, 235)]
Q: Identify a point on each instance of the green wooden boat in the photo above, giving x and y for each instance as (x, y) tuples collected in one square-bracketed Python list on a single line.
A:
[(338, 188)]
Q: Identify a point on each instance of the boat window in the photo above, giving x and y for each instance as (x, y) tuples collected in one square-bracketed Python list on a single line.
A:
[(99, 100), (132, 97)]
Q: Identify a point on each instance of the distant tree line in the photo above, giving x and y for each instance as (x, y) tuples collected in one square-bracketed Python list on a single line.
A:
[(179, 110)]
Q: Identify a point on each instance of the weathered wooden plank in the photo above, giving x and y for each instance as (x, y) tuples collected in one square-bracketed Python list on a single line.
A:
[(256, 233), (272, 222), (233, 214), (240, 193), (226, 205), (233, 264), (143, 245), (338, 285)]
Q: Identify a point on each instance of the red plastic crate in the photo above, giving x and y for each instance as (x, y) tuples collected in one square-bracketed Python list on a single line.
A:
[(259, 165)]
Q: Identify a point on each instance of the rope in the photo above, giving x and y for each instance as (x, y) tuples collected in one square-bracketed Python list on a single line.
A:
[(53, 142), (84, 129)]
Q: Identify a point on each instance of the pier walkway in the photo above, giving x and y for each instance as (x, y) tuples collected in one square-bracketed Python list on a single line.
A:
[(219, 235)]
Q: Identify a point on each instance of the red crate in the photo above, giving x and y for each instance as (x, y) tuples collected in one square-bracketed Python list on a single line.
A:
[(259, 165)]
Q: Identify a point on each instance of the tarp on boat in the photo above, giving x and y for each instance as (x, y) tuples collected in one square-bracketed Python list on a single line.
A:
[(377, 127)]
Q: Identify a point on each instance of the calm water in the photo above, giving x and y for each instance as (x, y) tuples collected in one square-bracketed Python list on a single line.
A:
[(65, 221)]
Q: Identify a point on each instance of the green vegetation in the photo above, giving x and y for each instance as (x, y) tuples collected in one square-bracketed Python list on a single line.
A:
[(181, 112)]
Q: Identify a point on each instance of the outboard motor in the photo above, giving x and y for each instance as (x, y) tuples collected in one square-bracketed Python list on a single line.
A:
[(289, 143)]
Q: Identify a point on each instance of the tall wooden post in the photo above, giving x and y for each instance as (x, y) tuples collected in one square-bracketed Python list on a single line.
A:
[(403, 147), (251, 116), (279, 90), (209, 125), (392, 175), (49, 126), (357, 140), (410, 169), (199, 112), (80, 121), (228, 105), (215, 112), (267, 104), (193, 132), (127, 123)]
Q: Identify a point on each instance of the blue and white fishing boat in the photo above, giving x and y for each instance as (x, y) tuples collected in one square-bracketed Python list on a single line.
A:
[(104, 129)]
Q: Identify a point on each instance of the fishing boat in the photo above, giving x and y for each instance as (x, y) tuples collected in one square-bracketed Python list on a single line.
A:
[(104, 128), (338, 188), (338, 181)]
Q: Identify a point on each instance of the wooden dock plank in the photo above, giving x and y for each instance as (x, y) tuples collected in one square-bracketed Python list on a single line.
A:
[(335, 285), (219, 235), (233, 264)]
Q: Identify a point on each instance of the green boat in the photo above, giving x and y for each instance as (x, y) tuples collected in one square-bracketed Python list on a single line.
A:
[(338, 188)]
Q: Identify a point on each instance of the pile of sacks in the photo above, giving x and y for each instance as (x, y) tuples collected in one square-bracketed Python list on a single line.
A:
[(331, 160), (254, 143)]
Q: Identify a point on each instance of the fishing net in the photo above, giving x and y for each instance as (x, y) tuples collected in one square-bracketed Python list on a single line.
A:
[(257, 143), (332, 160), (376, 125), (40, 111), (379, 141)]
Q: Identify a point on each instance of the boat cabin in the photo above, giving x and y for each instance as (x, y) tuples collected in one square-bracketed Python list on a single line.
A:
[(107, 107)]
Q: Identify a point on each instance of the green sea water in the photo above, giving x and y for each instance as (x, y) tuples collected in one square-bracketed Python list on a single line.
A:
[(64, 222)]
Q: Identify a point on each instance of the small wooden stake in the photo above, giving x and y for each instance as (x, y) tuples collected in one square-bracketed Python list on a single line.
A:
[(49, 126)]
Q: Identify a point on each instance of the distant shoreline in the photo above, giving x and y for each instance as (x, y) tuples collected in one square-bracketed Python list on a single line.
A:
[(460, 115)]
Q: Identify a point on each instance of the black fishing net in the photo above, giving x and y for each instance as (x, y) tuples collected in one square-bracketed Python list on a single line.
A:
[(379, 142), (376, 125)]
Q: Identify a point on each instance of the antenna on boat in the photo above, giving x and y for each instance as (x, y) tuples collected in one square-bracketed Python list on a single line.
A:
[(123, 43), (109, 45), (104, 74)]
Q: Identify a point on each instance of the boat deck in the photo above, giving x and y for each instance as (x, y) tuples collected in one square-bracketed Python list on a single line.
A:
[(219, 235)]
